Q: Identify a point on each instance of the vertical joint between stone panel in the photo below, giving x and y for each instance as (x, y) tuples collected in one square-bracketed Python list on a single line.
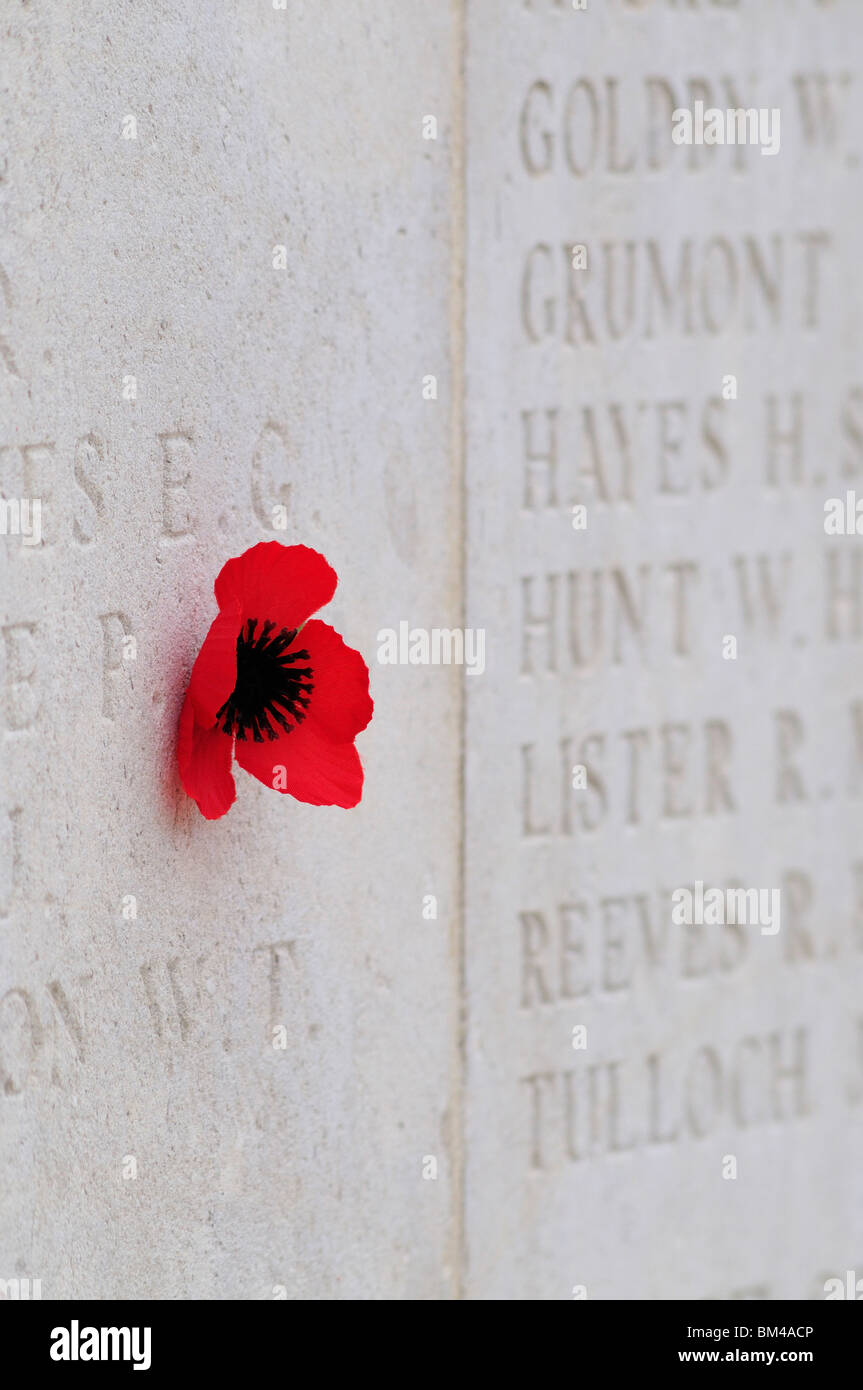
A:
[(457, 333)]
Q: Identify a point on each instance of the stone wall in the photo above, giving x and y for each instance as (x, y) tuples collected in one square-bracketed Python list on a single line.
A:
[(432, 289)]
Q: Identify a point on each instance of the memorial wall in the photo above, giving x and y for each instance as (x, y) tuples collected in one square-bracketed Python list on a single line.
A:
[(542, 322), (664, 390)]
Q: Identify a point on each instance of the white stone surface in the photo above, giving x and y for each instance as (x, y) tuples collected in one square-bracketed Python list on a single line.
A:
[(600, 1170), (153, 257), (416, 1045)]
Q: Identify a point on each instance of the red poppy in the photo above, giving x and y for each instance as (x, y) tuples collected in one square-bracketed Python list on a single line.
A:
[(282, 694)]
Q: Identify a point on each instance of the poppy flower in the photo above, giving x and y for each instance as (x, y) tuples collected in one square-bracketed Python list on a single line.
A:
[(274, 688)]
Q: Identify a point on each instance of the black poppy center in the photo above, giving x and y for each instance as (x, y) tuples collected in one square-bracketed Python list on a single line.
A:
[(271, 688)]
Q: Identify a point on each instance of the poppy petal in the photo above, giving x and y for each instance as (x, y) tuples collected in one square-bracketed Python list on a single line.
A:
[(204, 760), (214, 673), (283, 584), (316, 769), (340, 704)]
